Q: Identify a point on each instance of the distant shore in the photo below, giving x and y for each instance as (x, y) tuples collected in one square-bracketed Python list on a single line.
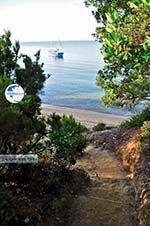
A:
[(87, 117)]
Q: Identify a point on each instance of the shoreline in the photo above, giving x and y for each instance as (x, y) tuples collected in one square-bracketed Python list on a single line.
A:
[(86, 117)]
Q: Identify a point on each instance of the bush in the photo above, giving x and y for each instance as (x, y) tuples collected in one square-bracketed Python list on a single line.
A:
[(137, 120), (99, 127), (21, 126), (144, 136), (65, 137)]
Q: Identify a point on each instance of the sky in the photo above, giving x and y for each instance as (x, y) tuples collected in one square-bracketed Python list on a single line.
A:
[(46, 20)]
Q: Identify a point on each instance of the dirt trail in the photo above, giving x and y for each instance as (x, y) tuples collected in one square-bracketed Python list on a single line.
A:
[(107, 202)]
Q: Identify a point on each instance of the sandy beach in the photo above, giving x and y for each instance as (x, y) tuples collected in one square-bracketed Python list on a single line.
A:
[(86, 117)]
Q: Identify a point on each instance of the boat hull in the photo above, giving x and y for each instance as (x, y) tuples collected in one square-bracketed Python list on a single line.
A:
[(60, 55), (56, 53)]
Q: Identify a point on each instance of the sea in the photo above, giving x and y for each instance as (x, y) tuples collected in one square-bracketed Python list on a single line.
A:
[(72, 81)]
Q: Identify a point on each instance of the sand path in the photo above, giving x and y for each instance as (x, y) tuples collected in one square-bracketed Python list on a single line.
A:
[(107, 202)]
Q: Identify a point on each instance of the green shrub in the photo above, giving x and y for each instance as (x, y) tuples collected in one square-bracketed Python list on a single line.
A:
[(21, 125), (65, 137), (99, 127), (144, 136), (137, 120)]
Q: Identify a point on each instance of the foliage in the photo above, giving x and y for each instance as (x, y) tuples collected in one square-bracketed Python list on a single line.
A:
[(65, 137), (125, 36), (99, 127), (21, 128), (101, 6), (145, 134), (137, 120)]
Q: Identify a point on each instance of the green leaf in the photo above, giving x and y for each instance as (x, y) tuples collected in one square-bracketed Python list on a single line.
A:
[(107, 42), (104, 54), (137, 65), (109, 30), (146, 3), (132, 5), (109, 19), (115, 37)]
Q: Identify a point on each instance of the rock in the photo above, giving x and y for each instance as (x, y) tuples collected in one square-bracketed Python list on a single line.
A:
[(27, 220)]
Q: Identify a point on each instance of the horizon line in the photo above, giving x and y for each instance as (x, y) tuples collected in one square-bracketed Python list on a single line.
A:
[(71, 40)]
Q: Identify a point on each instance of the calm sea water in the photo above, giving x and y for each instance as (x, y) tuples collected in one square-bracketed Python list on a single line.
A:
[(72, 81)]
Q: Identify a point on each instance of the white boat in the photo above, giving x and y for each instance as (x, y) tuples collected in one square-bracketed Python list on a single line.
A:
[(56, 53)]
